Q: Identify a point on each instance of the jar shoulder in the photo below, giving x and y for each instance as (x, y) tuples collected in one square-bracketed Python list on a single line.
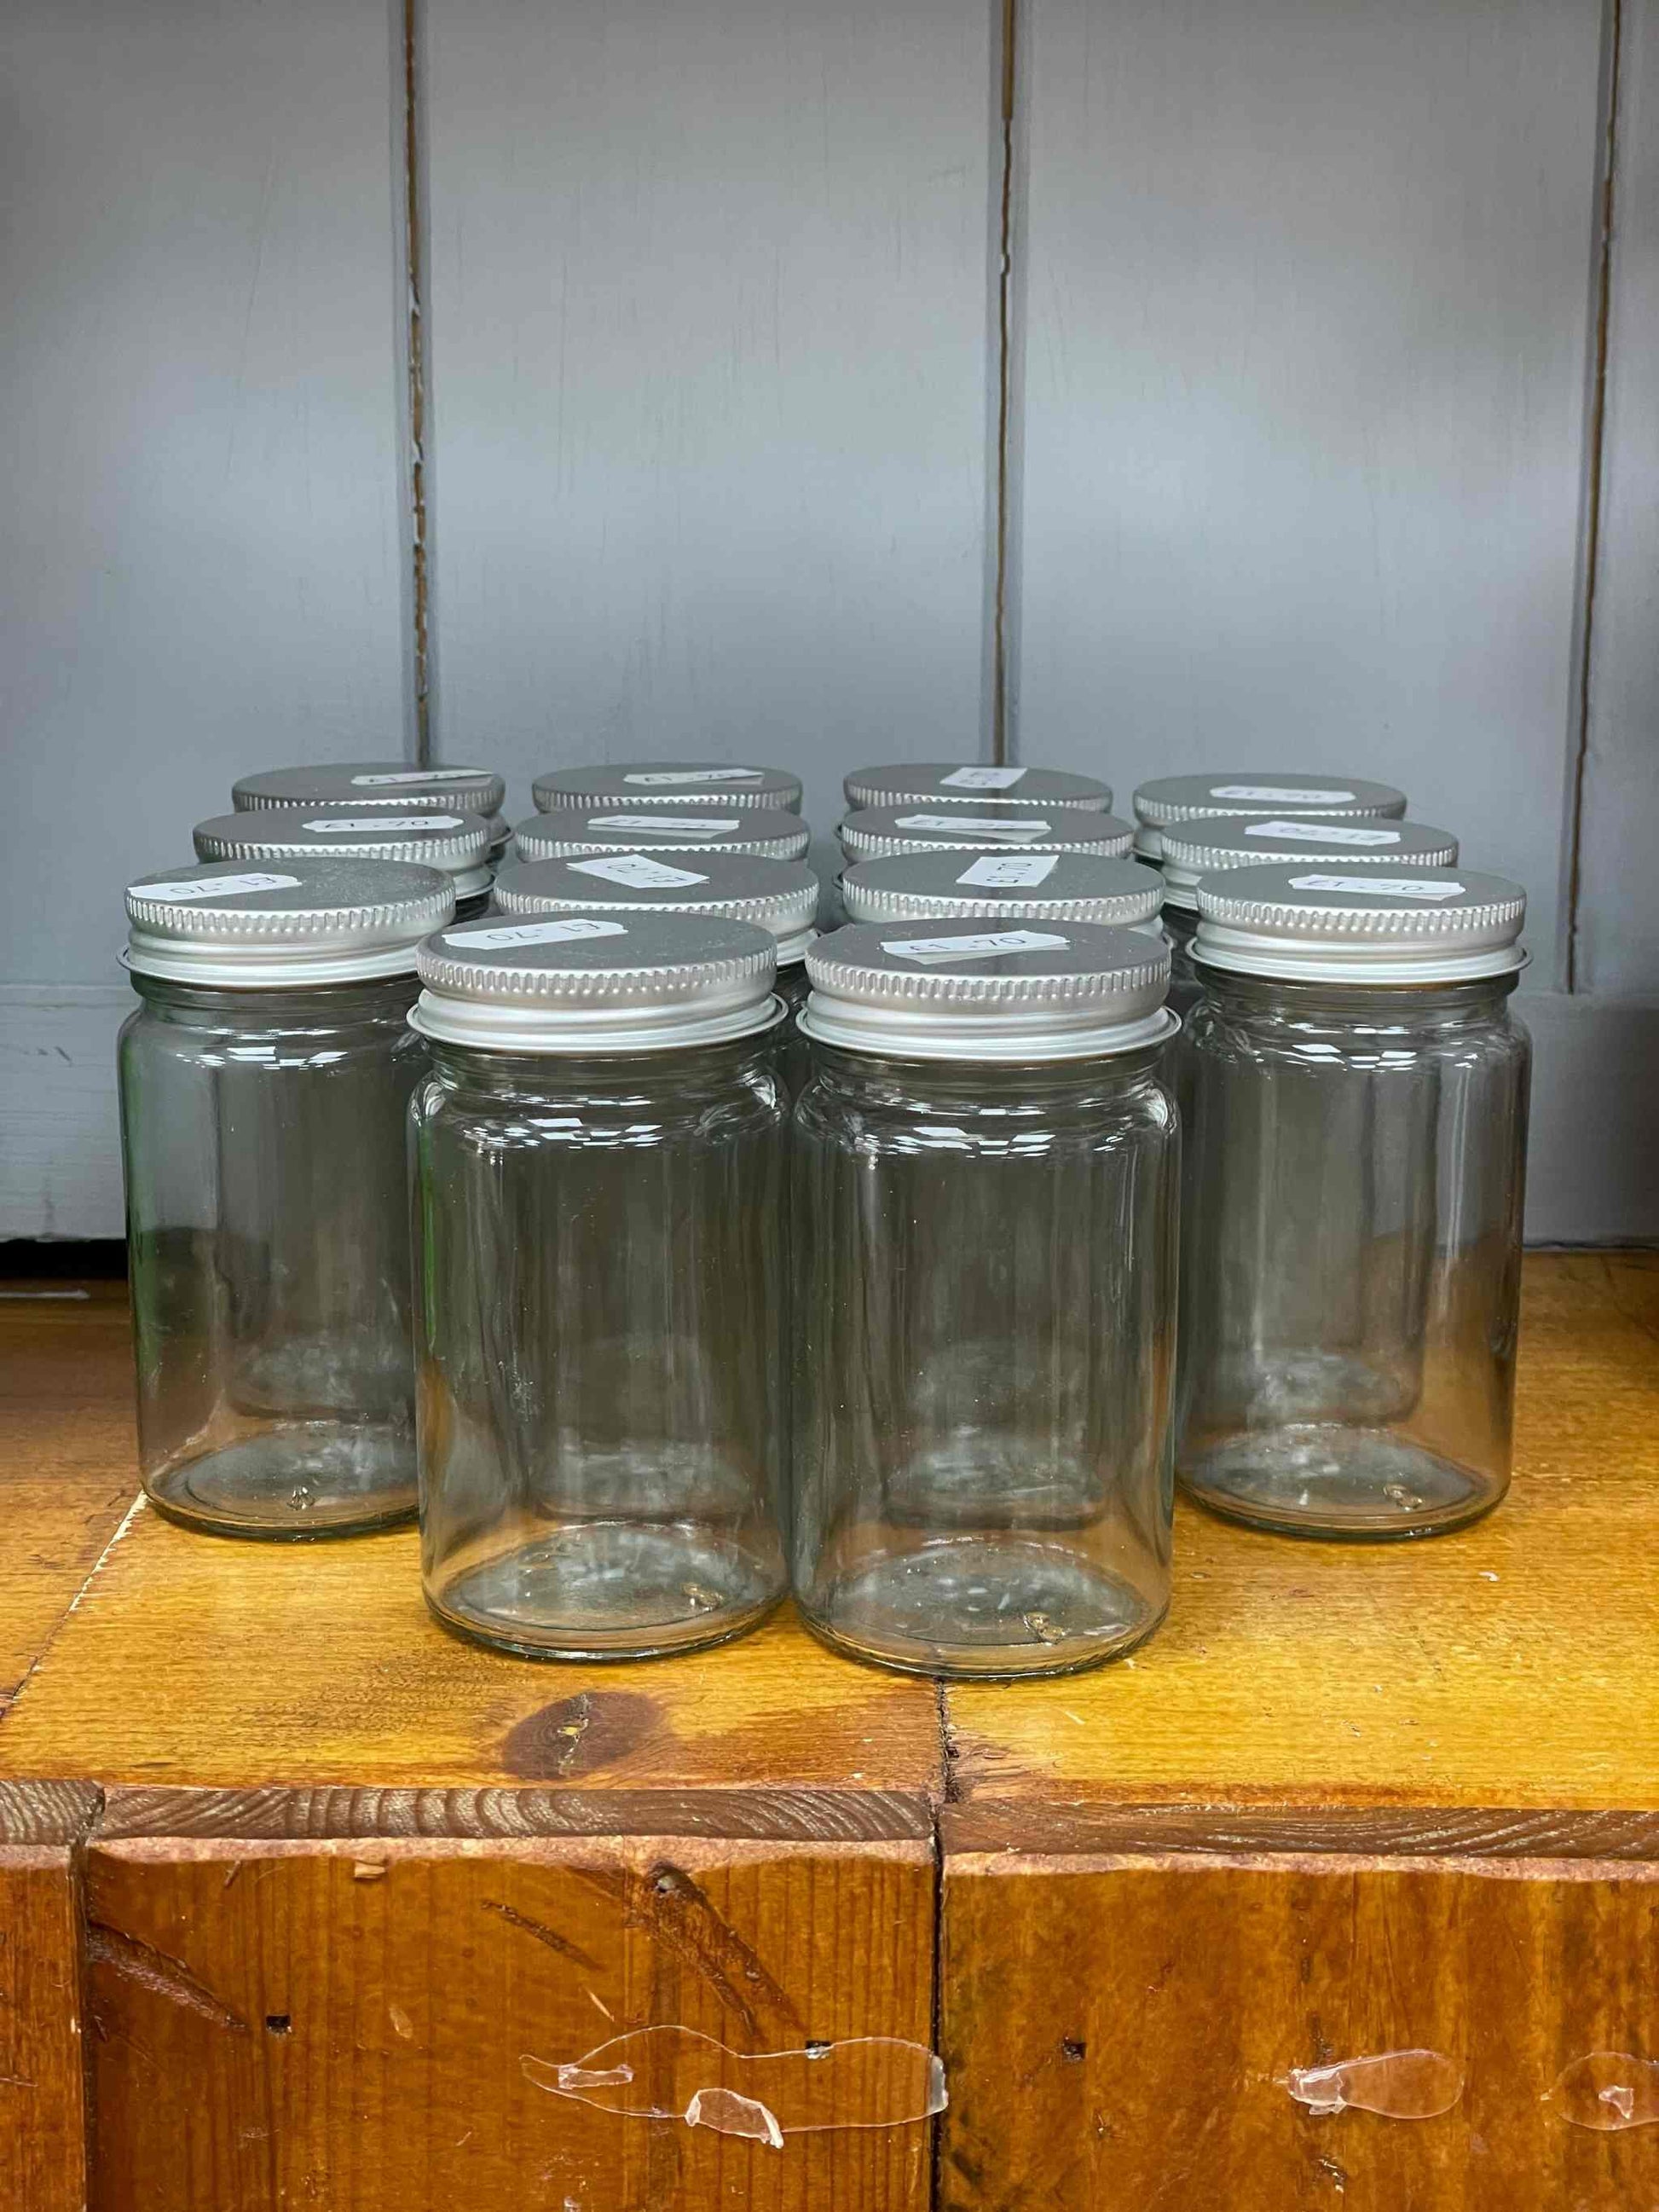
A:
[(746, 1111), (829, 1117), (1368, 1037)]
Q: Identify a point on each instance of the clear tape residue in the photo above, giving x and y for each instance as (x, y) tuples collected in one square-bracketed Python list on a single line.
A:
[(679, 2074), (1399, 2085), (1607, 2090)]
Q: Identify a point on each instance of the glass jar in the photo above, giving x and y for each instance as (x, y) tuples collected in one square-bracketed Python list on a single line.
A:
[(1011, 886), (876, 832), (457, 845), (1205, 845), (1352, 1218), (692, 827), (1172, 799), (599, 1156), (662, 786), (390, 787), (946, 783), (265, 1079), (986, 1163), (780, 897)]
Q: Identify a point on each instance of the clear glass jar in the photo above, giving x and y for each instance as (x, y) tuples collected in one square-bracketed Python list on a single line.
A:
[(265, 1079), (974, 785), (986, 1163), (660, 787), (691, 826), (876, 832), (380, 786), (457, 845), (1352, 1207), (599, 1156), (1169, 799)]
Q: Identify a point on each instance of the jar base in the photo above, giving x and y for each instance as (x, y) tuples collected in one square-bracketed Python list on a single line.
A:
[(1343, 1484), (978, 1608), (295, 1483), (605, 1589), (327, 1377)]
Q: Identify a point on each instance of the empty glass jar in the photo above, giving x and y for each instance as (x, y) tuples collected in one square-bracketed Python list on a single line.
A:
[(692, 826), (876, 832), (457, 845), (265, 1079), (380, 786), (598, 1155), (944, 783), (983, 1224), (1351, 1223), (1020, 886), (661, 786), (1171, 799), (1208, 844)]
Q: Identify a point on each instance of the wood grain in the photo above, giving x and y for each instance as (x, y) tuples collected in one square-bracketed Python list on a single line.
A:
[(68, 1458), (343, 2026), (1509, 1666), (43, 2119), (1156, 2078)]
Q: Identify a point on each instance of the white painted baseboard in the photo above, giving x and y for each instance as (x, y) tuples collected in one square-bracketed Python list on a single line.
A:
[(1595, 1159)]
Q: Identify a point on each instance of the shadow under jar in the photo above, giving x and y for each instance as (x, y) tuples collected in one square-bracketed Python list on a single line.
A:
[(264, 1082), (1352, 1204), (985, 1168), (780, 897), (599, 1156)]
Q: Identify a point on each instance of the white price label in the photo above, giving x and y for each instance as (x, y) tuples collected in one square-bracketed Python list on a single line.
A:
[(1281, 794), (536, 932), (667, 777), (392, 776), (981, 779), (201, 887), (358, 825), (1323, 833), (1006, 870), (989, 944), (638, 871), (668, 825), (998, 828), (1405, 887)]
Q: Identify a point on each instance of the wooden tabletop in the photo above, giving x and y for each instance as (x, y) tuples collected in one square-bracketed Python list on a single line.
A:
[(344, 1892)]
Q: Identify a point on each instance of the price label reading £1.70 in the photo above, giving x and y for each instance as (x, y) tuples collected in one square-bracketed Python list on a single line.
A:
[(988, 944)]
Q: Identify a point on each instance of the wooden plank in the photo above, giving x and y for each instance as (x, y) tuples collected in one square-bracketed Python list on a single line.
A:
[(1158, 2074), (1619, 898), (43, 2121), (709, 381), (1304, 371), (69, 1470), (201, 572), (349, 2024), (1507, 1666)]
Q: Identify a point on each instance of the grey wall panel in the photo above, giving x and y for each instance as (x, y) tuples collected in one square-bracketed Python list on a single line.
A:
[(707, 321), (1305, 384), (60, 1144), (200, 566), (1595, 1171), (1618, 938)]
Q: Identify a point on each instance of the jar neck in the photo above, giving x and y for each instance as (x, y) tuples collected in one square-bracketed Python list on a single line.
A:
[(1347, 1006), (380, 998), (689, 1076)]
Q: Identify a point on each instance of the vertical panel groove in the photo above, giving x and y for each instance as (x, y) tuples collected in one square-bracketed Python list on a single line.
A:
[(413, 215), (1004, 274), (1602, 302)]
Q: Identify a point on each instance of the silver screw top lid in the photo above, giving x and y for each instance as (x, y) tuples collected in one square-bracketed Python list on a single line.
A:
[(1172, 799), (247, 926), (1321, 920), (920, 827), (947, 783), (665, 785), (955, 988), (389, 784), (697, 827), (457, 845), (596, 982), (1202, 848), (1060, 886), (780, 897)]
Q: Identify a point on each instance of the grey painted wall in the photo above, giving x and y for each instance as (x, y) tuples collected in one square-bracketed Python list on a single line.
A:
[(1318, 406)]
